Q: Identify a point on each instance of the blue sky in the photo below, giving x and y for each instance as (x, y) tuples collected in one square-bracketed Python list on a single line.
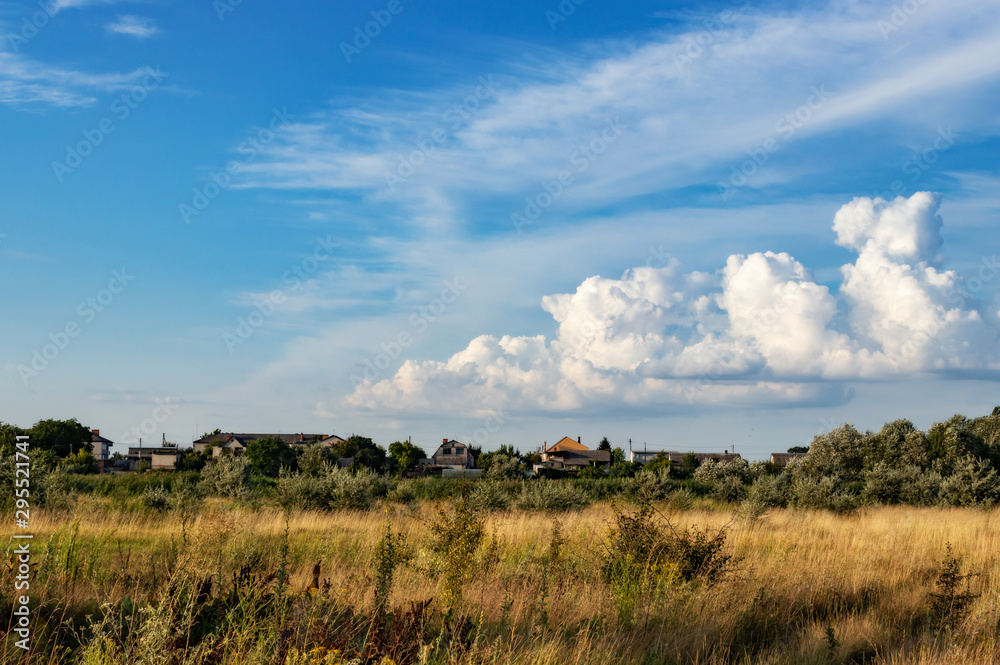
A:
[(499, 222)]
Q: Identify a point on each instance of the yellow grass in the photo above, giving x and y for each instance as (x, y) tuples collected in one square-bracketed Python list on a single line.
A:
[(866, 577)]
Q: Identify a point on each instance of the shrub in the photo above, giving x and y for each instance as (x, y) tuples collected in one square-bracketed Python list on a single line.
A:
[(949, 605), (156, 499), (402, 493), (644, 551), (302, 491), (358, 490), (555, 474), (337, 489), (973, 483), (590, 472), (315, 460), (82, 461), (646, 538), (551, 495), (58, 490), (921, 487), (883, 485), (655, 483), (769, 491), (729, 489), (436, 488), (503, 467), (714, 471), (826, 493), (455, 538), (228, 476), (490, 495), (392, 552)]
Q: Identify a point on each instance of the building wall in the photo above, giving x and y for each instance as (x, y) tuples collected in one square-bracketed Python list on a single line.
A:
[(163, 462), (455, 461)]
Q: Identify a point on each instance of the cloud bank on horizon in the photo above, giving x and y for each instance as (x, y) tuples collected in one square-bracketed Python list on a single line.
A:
[(759, 331)]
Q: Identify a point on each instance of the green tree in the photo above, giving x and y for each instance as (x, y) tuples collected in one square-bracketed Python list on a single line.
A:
[(208, 434), (604, 444), (266, 456), (366, 453), (689, 465), (486, 460), (315, 459), (352, 445), (617, 455), (799, 449), (82, 461), (370, 458), (405, 455), (661, 461), (62, 437), (840, 452), (8, 438), (952, 441), (193, 460), (503, 467)]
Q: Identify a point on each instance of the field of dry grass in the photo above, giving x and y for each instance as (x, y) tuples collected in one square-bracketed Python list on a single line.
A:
[(805, 587)]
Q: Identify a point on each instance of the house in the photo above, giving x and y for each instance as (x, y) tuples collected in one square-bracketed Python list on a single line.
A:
[(234, 445), (644, 456), (139, 454), (332, 440), (102, 448), (237, 443), (781, 460), (453, 455), (569, 454)]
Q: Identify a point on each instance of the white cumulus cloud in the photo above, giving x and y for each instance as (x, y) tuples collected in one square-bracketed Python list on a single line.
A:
[(760, 331)]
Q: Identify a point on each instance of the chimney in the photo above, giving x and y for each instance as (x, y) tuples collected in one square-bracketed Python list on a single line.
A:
[(95, 431), (445, 442), (578, 439)]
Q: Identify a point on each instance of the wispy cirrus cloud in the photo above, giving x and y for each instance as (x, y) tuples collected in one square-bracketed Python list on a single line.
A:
[(26, 82), (59, 5), (134, 26), (689, 120)]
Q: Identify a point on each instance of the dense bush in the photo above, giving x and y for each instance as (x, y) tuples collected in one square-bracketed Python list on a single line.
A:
[(655, 483), (156, 499), (551, 495), (228, 476), (503, 467), (492, 495), (337, 489)]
